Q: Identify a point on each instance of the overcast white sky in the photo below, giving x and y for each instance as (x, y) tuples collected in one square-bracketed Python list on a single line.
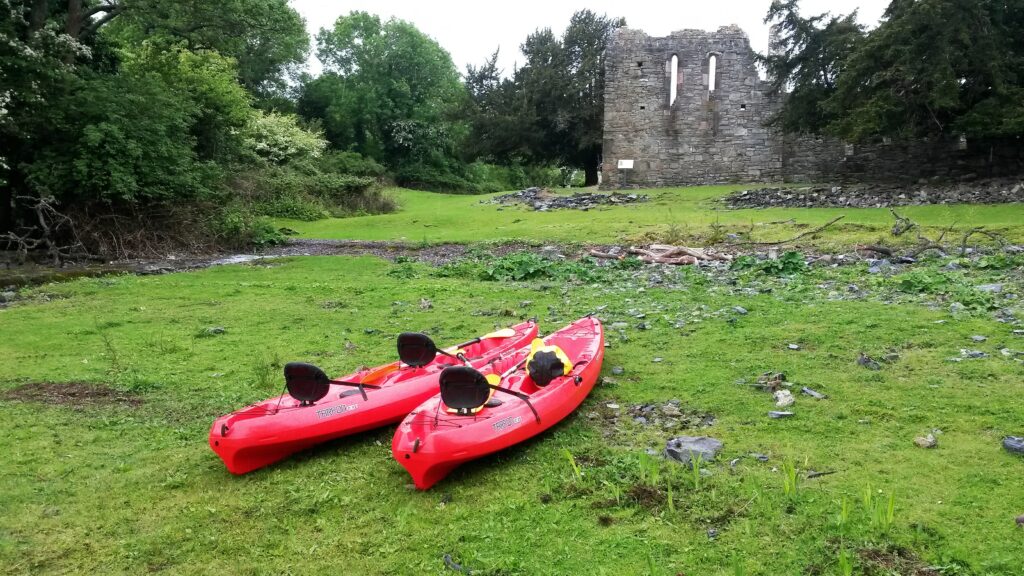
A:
[(471, 30)]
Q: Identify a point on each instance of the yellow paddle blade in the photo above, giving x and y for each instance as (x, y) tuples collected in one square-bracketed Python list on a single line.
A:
[(493, 379), (378, 373), (503, 333)]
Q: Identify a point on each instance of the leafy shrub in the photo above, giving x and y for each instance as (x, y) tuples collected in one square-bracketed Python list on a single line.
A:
[(422, 176), (237, 226), (789, 263), (278, 138), (351, 163), (518, 266), (922, 281)]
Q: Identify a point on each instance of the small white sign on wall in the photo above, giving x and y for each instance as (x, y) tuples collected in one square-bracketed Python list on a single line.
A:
[(625, 164)]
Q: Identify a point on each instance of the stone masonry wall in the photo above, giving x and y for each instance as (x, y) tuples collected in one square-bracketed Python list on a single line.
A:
[(716, 136), (704, 135)]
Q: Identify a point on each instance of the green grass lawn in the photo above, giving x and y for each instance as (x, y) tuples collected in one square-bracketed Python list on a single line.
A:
[(123, 489), (679, 212)]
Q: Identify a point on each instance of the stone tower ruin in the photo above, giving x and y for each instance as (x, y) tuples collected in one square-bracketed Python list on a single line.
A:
[(709, 128), (690, 108)]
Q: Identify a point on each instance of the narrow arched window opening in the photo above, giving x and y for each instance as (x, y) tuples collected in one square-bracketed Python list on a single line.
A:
[(673, 83), (712, 74)]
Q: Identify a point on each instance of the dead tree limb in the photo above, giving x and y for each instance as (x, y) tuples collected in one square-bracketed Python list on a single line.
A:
[(794, 238), (902, 224), (997, 238)]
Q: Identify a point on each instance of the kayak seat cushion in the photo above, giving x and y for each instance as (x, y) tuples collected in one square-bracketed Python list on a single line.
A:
[(464, 390), (545, 363)]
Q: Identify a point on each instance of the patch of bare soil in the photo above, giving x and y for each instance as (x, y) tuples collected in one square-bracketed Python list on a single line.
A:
[(437, 254), (882, 562), (71, 394)]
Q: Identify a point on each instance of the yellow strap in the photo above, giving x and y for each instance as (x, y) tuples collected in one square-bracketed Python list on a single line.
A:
[(538, 346)]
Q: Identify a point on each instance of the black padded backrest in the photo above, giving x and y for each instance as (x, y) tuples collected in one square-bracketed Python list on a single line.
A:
[(463, 387), (306, 382), (416, 349)]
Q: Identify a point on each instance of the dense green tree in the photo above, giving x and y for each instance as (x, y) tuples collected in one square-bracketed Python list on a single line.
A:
[(936, 67), (805, 59), (388, 91), (267, 38), (551, 111), (931, 68)]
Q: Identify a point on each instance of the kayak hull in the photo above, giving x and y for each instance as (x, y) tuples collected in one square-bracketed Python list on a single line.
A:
[(269, 431), (430, 442)]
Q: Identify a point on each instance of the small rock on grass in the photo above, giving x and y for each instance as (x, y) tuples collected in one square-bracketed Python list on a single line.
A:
[(618, 370), (928, 441), (683, 448), (978, 338), (777, 414), (1014, 444), (813, 393), (214, 330), (793, 346), (739, 310), (784, 398), (1020, 520), (868, 362)]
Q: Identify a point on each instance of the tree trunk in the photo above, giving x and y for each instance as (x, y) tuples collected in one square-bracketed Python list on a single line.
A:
[(590, 171), (73, 25), (37, 17)]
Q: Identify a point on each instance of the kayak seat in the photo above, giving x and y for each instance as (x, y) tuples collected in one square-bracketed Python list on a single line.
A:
[(465, 391), (545, 363)]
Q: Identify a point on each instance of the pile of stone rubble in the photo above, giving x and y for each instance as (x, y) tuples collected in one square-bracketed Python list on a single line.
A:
[(994, 191), (542, 199)]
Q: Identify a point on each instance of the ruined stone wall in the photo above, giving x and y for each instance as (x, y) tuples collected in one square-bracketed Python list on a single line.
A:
[(705, 135), (816, 159), (715, 136)]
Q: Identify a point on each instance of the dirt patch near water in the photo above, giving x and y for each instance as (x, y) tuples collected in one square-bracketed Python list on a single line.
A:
[(71, 394)]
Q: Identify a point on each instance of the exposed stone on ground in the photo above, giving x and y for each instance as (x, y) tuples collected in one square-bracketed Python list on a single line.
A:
[(928, 441), (813, 393), (1014, 444), (979, 338), (542, 199), (778, 414), (868, 362), (618, 370), (784, 398), (684, 449), (996, 191)]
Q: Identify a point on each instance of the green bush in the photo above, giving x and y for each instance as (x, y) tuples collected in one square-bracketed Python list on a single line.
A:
[(239, 227), (421, 176), (351, 163), (290, 192)]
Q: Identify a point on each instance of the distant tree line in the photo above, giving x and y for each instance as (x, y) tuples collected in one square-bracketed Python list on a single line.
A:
[(932, 68), (149, 124)]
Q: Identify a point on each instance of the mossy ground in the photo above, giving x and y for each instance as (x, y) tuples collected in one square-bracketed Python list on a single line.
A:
[(134, 488), (689, 214)]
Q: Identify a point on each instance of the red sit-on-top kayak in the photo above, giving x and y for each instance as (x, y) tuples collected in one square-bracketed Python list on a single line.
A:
[(434, 439), (271, 430)]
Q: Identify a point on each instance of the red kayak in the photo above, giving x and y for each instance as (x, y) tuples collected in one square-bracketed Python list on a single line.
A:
[(317, 408), (515, 398)]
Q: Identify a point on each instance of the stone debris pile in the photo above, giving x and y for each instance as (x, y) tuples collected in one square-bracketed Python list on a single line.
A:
[(996, 191), (542, 199)]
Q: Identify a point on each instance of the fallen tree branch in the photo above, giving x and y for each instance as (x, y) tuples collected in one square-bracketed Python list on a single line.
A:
[(875, 248), (794, 238), (998, 238), (902, 224)]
